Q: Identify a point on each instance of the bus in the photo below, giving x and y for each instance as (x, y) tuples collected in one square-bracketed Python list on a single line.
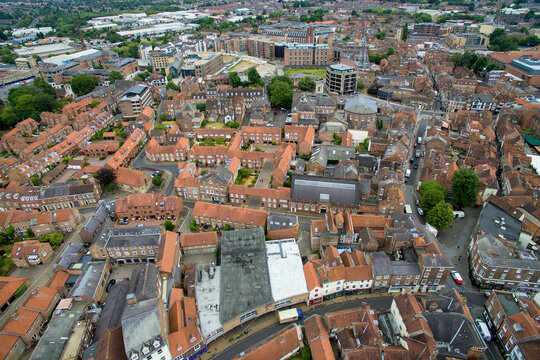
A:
[(289, 315)]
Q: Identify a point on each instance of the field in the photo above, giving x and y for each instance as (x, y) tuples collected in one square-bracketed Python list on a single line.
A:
[(215, 125), (319, 72), (243, 66), (263, 69)]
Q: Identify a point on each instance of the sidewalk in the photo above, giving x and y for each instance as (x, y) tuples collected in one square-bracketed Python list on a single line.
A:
[(232, 337)]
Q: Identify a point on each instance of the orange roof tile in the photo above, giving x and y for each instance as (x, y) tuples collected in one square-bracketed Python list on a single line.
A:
[(230, 213), (198, 239), (168, 252), (312, 280), (184, 339), (276, 347), (58, 280), (21, 321), (7, 341), (321, 349), (41, 298), (8, 286)]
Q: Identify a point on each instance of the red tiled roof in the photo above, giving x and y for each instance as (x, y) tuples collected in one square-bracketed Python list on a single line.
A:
[(198, 239)]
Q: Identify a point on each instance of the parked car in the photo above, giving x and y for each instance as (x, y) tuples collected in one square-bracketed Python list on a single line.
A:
[(415, 166), (110, 285), (483, 329), (417, 201), (457, 277), (420, 211)]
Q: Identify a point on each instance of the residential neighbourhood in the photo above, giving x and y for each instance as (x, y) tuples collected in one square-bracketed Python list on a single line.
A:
[(270, 180)]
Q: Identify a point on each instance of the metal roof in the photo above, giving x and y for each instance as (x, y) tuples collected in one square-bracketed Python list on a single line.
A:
[(320, 189)]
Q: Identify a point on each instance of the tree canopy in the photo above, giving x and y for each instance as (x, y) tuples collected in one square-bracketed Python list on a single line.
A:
[(234, 79), (115, 75), (281, 92), (465, 187), (430, 198), (105, 176), (431, 185), (307, 84), (82, 84), (254, 77), (441, 216)]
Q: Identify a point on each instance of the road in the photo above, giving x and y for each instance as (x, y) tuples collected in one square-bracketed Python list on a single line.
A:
[(141, 163), (243, 345)]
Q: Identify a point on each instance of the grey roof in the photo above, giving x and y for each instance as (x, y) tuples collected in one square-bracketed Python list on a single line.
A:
[(342, 171), (141, 325), (133, 236), (333, 127), (437, 260), (279, 221), (508, 303), (446, 302), (245, 281), (219, 174), (361, 105), (326, 190), (494, 253), (490, 214), (70, 255), (405, 268), (143, 282), (54, 340), (88, 282), (366, 160), (381, 264), (323, 153), (454, 334), (325, 100), (113, 309), (303, 103)]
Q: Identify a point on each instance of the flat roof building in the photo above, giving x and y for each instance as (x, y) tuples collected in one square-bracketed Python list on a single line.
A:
[(340, 79)]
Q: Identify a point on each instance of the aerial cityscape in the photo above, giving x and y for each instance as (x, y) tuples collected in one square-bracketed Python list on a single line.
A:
[(254, 180)]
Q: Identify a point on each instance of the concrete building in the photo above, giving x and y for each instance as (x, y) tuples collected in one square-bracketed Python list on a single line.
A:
[(307, 55), (201, 64), (527, 69), (340, 79), (134, 100)]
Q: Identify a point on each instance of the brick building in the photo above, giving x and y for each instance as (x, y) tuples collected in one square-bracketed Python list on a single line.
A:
[(145, 206), (30, 253), (221, 215)]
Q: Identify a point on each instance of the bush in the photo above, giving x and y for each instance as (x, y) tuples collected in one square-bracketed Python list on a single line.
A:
[(102, 157), (169, 226), (193, 225), (157, 180), (110, 187), (20, 291), (54, 239)]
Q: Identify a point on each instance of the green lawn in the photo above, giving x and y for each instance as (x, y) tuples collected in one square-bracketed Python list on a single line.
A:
[(319, 72), (5, 262)]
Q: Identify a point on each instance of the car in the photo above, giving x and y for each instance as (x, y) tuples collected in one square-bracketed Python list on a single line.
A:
[(126, 279), (270, 125), (415, 144), (420, 211), (110, 285), (483, 329), (140, 225), (411, 160), (457, 277), (415, 166), (417, 201)]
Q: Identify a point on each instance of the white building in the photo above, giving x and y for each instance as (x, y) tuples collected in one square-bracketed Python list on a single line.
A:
[(285, 269)]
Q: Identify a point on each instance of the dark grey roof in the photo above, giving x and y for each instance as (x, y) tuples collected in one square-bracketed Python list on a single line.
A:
[(133, 236), (245, 281), (508, 303), (320, 189), (88, 282), (341, 171), (381, 264), (143, 281), (361, 105), (70, 255), (454, 334), (54, 340), (493, 252), (437, 260), (366, 160), (490, 222), (219, 174), (280, 221), (405, 268), (114, 307), (323, 153)]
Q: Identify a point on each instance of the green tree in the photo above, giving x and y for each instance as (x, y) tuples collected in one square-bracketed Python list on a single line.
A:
[(281, 94), (10, 232), (201, 107), (465, 186), (169, 226), (44, 102), (82, 84), (337, 139), (54, 239), (8, 118), (24, 106), (234, 79), (430, 198), (193, 225), (431, 185), (105, 176), (254, 77), (156, 180), (441, 216), (233, 124), (307, 84), (115, 75)]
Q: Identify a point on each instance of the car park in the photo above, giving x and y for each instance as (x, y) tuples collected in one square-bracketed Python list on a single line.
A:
[(457, 277)]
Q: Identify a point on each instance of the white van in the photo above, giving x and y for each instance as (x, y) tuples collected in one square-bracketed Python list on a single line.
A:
[(459, 214), (408, 173), (483, 329)]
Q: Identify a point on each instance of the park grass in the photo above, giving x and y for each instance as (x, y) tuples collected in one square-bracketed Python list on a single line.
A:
[(215, 125), (319, 72)]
